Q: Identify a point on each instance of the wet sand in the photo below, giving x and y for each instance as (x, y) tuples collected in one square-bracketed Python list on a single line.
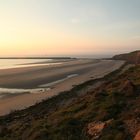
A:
[(31, 77)]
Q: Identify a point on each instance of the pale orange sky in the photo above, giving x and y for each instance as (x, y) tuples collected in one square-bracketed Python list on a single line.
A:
[(62, 27)]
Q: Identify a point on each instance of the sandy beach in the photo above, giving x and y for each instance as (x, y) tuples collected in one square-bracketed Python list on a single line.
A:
[(33, 77)]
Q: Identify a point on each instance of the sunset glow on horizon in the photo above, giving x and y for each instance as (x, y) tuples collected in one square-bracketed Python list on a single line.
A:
[(68, 27)]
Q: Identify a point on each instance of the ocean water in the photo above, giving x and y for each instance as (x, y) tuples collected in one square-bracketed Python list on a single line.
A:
[(16, 63)]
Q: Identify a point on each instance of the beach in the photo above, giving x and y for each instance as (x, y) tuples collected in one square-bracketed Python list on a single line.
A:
[(56, 78)]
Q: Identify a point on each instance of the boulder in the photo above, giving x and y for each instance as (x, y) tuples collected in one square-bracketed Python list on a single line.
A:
[(94, 129), (137, 137)]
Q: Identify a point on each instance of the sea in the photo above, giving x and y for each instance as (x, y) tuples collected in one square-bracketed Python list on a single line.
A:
[(17, 63)]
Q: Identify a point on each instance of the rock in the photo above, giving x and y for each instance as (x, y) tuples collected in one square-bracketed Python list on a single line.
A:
[(95, 129), (137, 137), (132, 125)]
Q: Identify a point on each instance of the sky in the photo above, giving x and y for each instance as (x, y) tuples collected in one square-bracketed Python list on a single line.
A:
[(69, 27)]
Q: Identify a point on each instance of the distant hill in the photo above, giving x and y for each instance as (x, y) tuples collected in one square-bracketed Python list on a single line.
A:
[(133, 57)]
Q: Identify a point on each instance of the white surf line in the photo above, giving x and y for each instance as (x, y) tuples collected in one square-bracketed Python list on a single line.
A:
[(58, 81), (5, 91), (30, 65), (38, 64)]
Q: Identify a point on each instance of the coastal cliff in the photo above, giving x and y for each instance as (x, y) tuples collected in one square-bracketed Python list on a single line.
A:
[(133, 57)]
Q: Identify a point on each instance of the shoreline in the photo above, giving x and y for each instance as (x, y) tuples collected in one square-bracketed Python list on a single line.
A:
[(23, 101), (34, 76)]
